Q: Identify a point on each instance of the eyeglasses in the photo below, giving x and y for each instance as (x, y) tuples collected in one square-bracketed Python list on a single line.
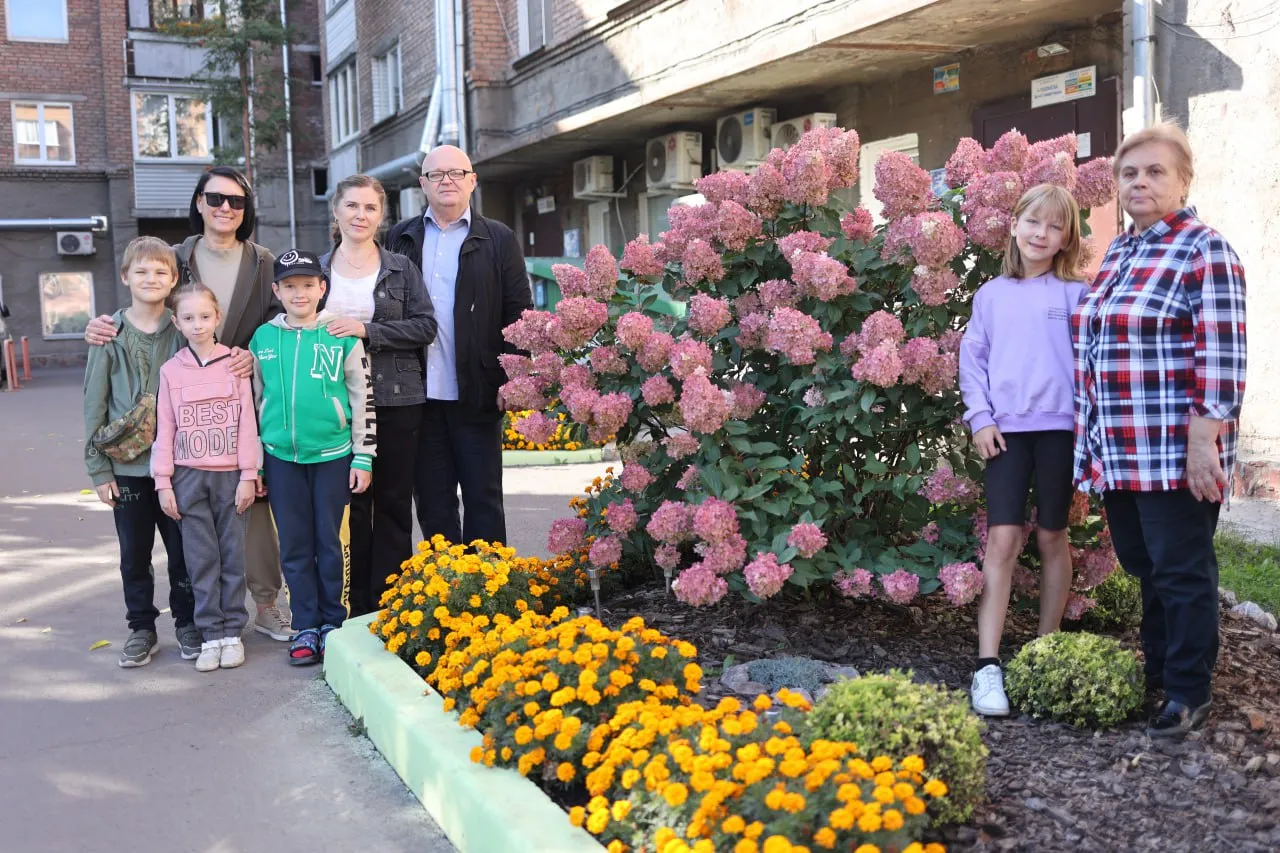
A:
[(216, 200), (435, 176)]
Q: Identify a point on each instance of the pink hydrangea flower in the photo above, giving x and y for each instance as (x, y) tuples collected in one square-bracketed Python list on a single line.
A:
[(1077, 606), (858, 224), (806, 176), (999, 190), (747, 400), (571, 279), (690, 479), (602, 273), (725, 185), (576, 321), (814, 398), (768, 187), (1060, 170), (1094, 565), (607, 360), (803, 241), (635, 478), (841, 149), (881, 366), (925, 364), (901, 586), (708, 315), (752, 329), (699, 586), (688, 357), (1079, 512), (657, 391), (530, 332), (634, 329), (980, 531), (855, 584), (672, 522), (653, 355), (747, 303), (932, 286), (765, 575), (537, 428), (901, 186), (1065, 144), (548, 365), (989, 228), (949, 341), (895, 238), (605, 551), (807, 538), (580, 400), (701, 263), (1095, 183), (567, 535), (821, 276), (1088, 253), (962, 582), (777, 293), (934, 238), (621, 517), (795, 335), (576, 376), (609, 414), (667, 556), (689, 223), (641, 257), (1008, 154), (946, 486), (930, 533), (522, 393), (680, 445), (724, 557), (703, 406), (965, 164), (737, 226), (714, 520), (515, 365), (1025, 582), (878, 328)]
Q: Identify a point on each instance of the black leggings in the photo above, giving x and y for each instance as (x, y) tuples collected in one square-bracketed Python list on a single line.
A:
[(1048, 454)]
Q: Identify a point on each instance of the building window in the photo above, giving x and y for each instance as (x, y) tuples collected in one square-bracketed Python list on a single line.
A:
[(330, 5), (317, 70), (171, 127), (344, 105), (36, 20), (908, 144), (43, 133), (534, 21), (387, 94), (66, 303), (319, 181)]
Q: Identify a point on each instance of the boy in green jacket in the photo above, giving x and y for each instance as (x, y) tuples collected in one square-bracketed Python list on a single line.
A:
[(316, 420), (117, 376)]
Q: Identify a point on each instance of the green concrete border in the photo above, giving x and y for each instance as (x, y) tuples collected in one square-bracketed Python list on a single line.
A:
[(524, 458), (481, 809)]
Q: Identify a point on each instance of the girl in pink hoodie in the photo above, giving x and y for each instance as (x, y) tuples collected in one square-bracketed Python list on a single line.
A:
[(205, 463)]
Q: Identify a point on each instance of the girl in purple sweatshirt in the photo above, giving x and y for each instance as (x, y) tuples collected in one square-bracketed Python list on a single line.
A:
[(1017, 378)]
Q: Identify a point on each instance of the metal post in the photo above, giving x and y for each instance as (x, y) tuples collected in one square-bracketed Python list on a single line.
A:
[(288, 130), (1143, 61), (26, 360), (10, 365)]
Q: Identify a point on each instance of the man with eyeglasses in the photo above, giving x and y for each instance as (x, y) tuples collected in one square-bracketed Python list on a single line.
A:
[(474, 271)]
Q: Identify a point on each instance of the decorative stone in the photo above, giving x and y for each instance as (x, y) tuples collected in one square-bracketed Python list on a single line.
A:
[(1256, 614), (737, 679), (1227, 597)]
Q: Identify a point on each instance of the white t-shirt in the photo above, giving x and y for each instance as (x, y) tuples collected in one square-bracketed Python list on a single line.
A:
[(351, 298)]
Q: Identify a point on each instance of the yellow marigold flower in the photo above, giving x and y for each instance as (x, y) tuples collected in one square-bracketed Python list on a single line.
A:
[(630, 777), (782, 727), (477, 754), (825, 837), (913, 763), (881, 763), (733, 825), (692, 672), (867, 848), (563, 741), (524, 734), (662, 836), (914, 805), (422, 658), (577, 815), (841, 819), (934, 848), (776, 844), (658, 652), (869, 822), (903, 790), (566, 771), (675, 794), (935, 788), (506, 753), (883, 794), (892, 820), (621, 809), (774, 799), (616, 846), (913, 847), (597, 822), (754, 829), (550, 682), (746, 845), (885, 779)]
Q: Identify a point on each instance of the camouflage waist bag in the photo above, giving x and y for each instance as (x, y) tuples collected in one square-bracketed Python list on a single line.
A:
[(130, 435)]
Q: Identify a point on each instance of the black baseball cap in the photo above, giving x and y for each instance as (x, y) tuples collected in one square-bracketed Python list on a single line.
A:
[(294, 262)]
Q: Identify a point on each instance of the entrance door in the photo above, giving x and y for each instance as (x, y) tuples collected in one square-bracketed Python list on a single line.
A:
[(543, 237)]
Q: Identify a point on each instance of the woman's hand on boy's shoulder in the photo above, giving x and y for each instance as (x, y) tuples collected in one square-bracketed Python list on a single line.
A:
[(347, 328), (100, 331), (241, 363)]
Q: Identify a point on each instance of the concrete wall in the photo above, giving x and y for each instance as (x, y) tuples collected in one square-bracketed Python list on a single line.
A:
[(1220, 82)]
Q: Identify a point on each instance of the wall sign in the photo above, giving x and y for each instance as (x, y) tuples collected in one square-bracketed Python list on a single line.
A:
[(1067, 86), (547, 204), (946, 78)]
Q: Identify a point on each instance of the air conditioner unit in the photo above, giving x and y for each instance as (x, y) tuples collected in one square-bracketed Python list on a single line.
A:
[(75, 243), (788, 133), (673, 161), (742, 139), (593, 177)]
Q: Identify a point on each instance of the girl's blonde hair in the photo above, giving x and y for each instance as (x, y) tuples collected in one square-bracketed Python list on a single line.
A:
[(1053, 201), (149, 249), (193, 288)]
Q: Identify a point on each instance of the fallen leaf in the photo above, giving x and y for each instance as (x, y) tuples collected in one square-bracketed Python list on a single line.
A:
[(46, 630), (20, 620), (86, 491), (101, 644), (1257, 721)]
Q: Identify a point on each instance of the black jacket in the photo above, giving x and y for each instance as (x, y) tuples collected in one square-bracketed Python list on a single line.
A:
[(403, 325), (491, 292)]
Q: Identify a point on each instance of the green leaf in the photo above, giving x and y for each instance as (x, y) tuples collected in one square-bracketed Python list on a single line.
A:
[(874, 466), (868, 399)]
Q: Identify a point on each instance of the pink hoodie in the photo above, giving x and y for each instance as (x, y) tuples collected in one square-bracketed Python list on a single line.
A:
[(204, 418)]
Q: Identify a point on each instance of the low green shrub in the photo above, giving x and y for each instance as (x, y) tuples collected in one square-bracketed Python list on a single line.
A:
[(891, 714), (1119, 606), (1081, 679)]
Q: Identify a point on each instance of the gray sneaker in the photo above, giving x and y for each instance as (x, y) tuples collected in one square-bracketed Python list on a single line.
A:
[(189, 641), (271, 621), (137, 649)]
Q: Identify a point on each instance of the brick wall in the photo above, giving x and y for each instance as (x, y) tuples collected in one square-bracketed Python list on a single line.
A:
[(492, 40), (378, 25)]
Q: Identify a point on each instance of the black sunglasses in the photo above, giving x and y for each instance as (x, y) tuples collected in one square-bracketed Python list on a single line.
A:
[(216, 200), (435, 176)]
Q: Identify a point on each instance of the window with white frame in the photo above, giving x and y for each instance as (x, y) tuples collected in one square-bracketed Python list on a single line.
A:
[(387, 91), (330, 5), (169, 126), (36, 20), (908, 143), (66, 303), (534, 22), (344, 105), (43, 133)]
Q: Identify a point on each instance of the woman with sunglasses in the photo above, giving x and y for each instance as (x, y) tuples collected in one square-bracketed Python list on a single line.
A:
[(220, 255)]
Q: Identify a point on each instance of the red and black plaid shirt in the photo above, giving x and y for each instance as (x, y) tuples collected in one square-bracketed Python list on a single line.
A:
[(1160, 337)]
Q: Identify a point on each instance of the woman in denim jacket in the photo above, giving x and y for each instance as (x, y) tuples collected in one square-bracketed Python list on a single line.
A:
[(379, 296)]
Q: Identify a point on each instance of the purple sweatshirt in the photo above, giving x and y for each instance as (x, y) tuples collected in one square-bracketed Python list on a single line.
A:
[(1017, 367)]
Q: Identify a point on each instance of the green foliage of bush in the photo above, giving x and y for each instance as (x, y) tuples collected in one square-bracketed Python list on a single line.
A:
[(1119, 600), (789, 672), (1081, 679), (891, 714)]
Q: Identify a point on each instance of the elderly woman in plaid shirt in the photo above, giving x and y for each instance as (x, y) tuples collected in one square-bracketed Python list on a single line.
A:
[(1160, 367)]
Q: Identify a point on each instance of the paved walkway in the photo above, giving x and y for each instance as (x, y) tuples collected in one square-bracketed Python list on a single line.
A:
[(1256, 519), (98, 759)]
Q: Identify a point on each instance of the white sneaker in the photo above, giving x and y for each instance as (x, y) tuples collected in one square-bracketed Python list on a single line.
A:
[(232, 653), (271, 621), (988, 694), (210, 655)]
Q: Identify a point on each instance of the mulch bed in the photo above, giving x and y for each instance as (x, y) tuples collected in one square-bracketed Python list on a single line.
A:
[(1050, 787)]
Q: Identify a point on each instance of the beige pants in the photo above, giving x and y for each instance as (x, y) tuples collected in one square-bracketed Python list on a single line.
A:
[(262, 555)]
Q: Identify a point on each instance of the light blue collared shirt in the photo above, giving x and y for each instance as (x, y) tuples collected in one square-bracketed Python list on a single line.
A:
[(440, 249)]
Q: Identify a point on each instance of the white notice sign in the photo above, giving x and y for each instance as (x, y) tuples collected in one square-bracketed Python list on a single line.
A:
[(1068, 86), (1084, 145)]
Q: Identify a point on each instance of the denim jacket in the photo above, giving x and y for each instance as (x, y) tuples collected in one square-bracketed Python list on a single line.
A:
[(402, 327)]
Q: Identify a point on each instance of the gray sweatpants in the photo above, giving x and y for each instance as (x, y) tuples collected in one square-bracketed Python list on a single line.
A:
[(213, 542)]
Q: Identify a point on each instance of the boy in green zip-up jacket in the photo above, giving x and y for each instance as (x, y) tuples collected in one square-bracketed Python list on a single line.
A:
[(316, 421)]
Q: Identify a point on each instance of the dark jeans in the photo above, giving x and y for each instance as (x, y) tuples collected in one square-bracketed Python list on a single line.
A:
[(138, 516), (307, 502), (381, 521), (1165, 540), (460, 446)]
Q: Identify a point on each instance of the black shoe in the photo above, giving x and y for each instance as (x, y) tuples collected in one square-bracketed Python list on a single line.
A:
[(1175, 719), (1153, 696)]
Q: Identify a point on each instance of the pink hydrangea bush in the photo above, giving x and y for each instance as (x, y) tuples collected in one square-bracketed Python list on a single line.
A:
[(801, 415)]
